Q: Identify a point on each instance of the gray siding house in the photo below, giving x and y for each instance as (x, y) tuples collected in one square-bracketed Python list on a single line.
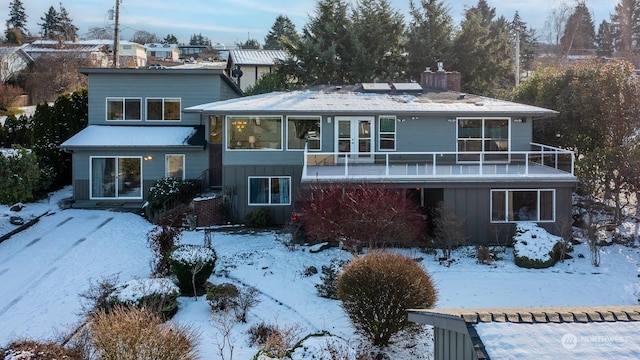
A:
[(472, 153), (138, 132)]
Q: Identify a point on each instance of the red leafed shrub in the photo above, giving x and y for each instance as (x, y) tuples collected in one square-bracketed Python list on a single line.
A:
[(361, 215)]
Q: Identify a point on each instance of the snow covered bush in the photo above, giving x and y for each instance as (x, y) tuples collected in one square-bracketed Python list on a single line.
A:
[(377, 289), (192, 265), (163, 190), (35, 350), (534, 247), (159, 295), (164, 238), (132, 333)]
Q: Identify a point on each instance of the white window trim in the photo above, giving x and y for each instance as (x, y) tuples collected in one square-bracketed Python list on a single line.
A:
[(91, 197), (146, 109), (380, 132), (166, 165), (227, 125), (305, 117), (506, 208), (124, 109), (269, 203), (508, 151)]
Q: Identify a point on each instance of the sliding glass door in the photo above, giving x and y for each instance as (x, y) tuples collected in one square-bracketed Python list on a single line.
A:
[(116, 178)]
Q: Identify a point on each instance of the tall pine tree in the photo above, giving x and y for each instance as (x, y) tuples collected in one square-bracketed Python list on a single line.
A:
[(625, 25), (282, 29), (50, 24), (605, 42), (17, 23), (429, 36), (579, 34)]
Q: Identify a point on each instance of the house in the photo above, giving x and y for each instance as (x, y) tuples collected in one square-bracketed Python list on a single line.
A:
[(13, 59), (246, 66), (474, 154), (130, 54), (165, 52), (533, 333), (96, 55), (138, 132)]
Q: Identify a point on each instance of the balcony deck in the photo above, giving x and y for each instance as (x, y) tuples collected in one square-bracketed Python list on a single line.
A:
[(543, 163)]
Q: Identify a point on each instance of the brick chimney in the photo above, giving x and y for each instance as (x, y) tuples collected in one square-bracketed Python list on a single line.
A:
[(441, 79)]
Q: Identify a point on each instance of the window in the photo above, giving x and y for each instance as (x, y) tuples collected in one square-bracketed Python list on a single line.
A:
[(303, 130), (483, 135), (174, 166), (522, 205), (116, 177), (124, 109), (215, 129), (254, 132), (163, 109), (269, 190), (387, 133)]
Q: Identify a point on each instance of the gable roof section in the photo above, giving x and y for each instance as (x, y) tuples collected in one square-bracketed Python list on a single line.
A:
[(337, 100), (256, 56), (121, 136)]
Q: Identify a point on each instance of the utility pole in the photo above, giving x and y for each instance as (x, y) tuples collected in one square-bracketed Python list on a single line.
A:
[(115, 36), (517, 56)]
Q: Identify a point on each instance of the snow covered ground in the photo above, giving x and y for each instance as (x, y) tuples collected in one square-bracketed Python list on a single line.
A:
[(44, 268)]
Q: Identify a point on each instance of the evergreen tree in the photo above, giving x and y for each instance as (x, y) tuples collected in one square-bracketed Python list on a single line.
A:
[(378, 42), (50, 24), (625, 24), (249, 44), (17, 23), (605, 42), (429, 36), (66, 29), (281, 30), (324, 54), (199, 40), (528, 41), (579, 34), (483, 51), (170, 39)]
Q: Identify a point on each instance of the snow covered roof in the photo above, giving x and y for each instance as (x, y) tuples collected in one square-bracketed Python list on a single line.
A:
[(582, 332), (136, 136), (256, 56), (348, 100), (65, 46)]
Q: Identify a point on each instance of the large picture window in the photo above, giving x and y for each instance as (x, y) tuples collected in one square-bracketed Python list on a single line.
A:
[(116, 177), (254, 132), (174, 166), (483, 135), (387, 133), (522, 205), (269, 190), (163, 109), (124, 109), (303, 130)]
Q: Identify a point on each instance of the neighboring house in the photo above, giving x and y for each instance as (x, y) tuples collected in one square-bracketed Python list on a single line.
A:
[(96, 55), (138, 133), (188, 52), (533, 333), (13, 59), (247, 66), (473, 154), (130, 54), (165, 52)]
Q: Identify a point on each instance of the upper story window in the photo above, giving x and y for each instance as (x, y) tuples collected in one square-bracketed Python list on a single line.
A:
[(482, 136), (387, 133), (124, 109), (303, 130), (254, 132), (126, 47), (163, 109)]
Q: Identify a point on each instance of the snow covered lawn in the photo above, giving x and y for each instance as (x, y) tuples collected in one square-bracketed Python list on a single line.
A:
[(44, 268)]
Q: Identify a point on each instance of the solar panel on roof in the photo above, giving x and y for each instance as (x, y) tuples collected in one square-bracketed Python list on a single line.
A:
[(376, 86), (407, 86)]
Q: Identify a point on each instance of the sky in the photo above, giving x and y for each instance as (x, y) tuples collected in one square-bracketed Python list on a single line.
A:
[(235, 21)]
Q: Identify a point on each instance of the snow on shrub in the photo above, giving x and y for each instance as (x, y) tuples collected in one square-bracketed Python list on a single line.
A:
[(533, 246), (159, 295), (192, 266)]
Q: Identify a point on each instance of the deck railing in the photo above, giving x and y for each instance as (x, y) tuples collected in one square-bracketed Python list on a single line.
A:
[(540, 161)]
